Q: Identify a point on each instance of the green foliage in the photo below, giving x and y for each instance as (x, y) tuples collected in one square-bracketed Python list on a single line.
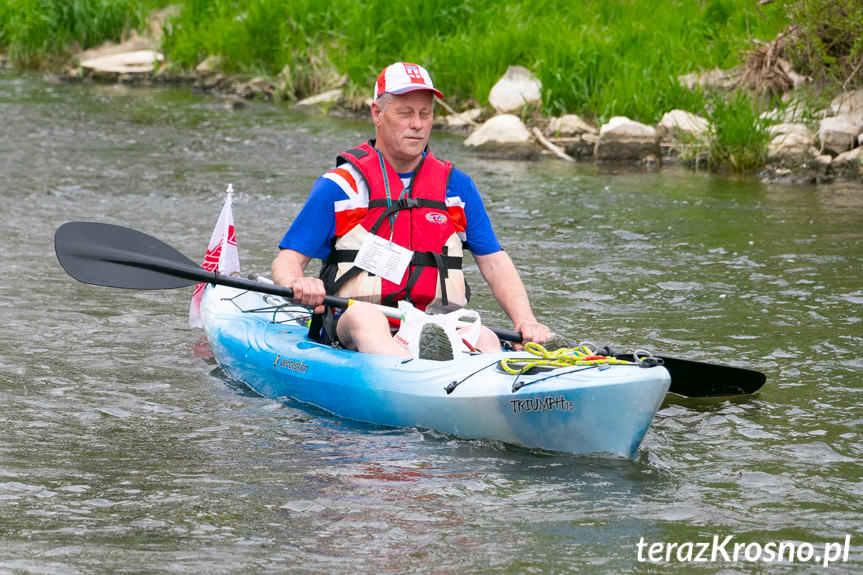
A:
[(595, 58), (828, 44), (253, 36), (35, 31), (739, 135)]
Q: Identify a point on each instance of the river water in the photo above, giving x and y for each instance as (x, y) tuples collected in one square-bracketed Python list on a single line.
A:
[(124, 449)]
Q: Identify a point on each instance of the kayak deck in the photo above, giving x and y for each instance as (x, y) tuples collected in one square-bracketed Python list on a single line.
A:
[(262, 342)]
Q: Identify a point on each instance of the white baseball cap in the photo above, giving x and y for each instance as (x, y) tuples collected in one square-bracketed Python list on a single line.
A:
[(403, 77)]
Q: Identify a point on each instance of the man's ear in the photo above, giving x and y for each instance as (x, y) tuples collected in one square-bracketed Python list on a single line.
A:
[(376, 113)]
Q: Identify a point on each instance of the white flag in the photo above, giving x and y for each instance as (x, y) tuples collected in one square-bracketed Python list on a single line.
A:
[(221, 255)]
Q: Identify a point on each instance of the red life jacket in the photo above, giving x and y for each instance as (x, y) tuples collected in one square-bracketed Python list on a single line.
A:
[(420, 222)]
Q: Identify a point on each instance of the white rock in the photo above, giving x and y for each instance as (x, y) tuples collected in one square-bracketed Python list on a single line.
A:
[(209, 65), (789, 128), (502, 129), (624, 139), (851, 156), (796, 79), (514, 90), (684, 122), (135, 43), (837, 133), (327, 97), (849, 164), (462, 119), (613, 123), (847, 102), (136, 62), (792, 146), (621, 125), (567, 126)]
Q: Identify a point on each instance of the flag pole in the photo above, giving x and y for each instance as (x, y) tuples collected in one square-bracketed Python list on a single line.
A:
[(229, 201)]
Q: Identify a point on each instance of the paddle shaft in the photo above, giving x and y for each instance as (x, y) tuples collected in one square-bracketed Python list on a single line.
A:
[(200, 275), (340, 302)]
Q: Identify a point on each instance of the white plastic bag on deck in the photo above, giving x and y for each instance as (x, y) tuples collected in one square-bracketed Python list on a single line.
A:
[(413, 321)]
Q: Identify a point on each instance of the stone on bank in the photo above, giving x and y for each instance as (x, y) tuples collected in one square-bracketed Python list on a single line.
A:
[(574, 135), (622, 139), (677, 122), (849, 164), (504, 135), (838, 133), (516, 89), (793, 148)]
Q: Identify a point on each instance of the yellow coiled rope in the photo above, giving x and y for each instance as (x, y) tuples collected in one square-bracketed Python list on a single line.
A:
[(563, 357)]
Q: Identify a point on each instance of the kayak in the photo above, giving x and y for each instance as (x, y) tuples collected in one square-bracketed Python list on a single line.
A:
[(262, 341), (568, 402)]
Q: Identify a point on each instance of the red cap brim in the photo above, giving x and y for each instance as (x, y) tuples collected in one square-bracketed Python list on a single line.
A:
[(407, 89)]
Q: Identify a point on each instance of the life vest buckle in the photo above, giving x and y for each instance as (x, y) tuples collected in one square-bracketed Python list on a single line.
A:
[(407, 203)]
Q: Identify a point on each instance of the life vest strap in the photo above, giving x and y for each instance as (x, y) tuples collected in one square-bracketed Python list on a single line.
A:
[(394, 206), (438, 262), (407, 203), (419, 259)]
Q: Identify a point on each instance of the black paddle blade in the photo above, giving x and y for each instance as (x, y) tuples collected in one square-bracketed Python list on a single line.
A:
[(114, 256), (700, 379)]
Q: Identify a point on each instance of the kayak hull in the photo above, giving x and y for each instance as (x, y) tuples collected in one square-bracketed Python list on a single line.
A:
[(574, 410)]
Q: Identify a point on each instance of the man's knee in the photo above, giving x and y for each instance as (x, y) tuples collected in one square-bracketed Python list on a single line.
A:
[(487, 342), (360, 317), (361, 313)]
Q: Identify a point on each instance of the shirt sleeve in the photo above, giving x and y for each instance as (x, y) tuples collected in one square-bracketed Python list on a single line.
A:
[(315, 225), (480, 238)]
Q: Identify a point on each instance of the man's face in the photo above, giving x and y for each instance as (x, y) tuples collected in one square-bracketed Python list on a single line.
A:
[(403, 128)]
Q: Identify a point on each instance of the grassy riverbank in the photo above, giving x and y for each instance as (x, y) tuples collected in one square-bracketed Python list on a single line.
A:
[(594, 58)]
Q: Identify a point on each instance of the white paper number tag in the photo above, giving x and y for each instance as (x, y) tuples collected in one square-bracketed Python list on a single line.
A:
[(383, 258)]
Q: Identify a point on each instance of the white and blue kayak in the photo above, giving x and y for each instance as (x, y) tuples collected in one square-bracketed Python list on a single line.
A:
[(262, 341), (586, 405)]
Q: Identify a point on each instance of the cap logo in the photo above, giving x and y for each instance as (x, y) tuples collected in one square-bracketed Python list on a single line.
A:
[(403, 77), (413, 72)]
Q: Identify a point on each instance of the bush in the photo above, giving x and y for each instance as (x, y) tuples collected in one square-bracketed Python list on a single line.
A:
[(828, 40)]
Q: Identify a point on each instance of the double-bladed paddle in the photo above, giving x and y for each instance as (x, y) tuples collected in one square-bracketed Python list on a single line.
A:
[(114, 256)]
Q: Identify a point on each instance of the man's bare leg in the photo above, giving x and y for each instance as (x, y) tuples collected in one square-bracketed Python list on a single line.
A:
[(362, 327)]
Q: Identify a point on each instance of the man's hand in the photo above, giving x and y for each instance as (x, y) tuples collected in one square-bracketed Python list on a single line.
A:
[(309, 292), (532, 330), (288, 268)]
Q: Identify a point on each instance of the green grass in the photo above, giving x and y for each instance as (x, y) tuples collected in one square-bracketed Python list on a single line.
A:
[(739, 135), (599, 59), (595, 58), (36, 33)]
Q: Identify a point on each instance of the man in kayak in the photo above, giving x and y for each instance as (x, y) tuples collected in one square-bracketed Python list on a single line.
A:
[(389, 223)]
